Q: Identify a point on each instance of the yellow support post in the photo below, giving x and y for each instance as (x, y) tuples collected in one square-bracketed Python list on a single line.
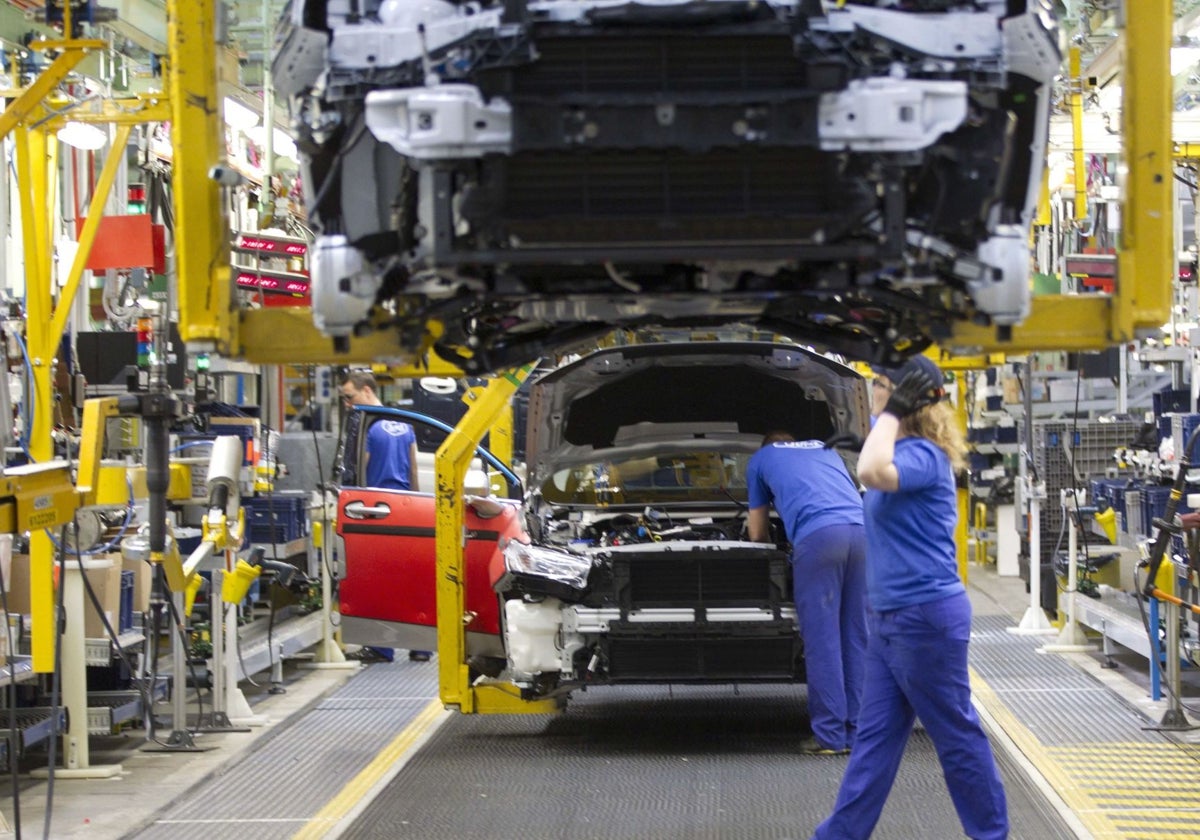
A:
[(37, 165), (1146, 254), (499, 434), (202, 244), (1075, 102), (962, 529), (87, 236), (91, 448), (1044, 215), (451, 461), (30, 147)]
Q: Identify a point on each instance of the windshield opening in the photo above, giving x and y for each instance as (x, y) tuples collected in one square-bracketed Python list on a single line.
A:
[(698, 476)]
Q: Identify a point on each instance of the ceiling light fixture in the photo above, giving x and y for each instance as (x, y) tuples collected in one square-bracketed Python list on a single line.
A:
[(1182, 58), (238, 115), (83, 136)]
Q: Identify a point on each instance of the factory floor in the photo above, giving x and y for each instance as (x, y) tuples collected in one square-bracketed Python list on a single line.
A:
[(1081, 737)]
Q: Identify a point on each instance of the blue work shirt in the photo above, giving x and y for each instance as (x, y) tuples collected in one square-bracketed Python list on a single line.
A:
[(911, 556), (389, 445), (807, 483)]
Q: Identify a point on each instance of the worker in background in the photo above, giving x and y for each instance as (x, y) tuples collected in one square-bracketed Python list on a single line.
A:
[(821, 510), (920, 617), (391, 451), (391, 463)]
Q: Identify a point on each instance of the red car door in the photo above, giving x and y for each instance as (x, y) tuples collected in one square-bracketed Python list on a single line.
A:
[(387, 595)]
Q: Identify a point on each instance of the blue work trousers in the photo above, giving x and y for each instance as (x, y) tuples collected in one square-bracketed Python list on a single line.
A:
[(830, 581), (917, 666)]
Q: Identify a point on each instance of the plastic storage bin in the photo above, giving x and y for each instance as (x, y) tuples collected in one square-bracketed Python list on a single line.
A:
[(277, 518), (125, 618)]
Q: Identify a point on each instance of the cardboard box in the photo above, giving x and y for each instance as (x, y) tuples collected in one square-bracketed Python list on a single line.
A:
[(107, 585), (143, 582), (18, 590), (105, 582)]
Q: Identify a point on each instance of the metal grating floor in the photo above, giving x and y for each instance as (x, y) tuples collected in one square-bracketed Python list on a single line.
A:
[(695, 762), (1123, 779), (1056, 701), (650, 762), (274, 791)]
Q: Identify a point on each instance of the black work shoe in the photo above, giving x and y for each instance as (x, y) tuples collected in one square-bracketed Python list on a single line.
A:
[(419, 655), (811, 746), (366, 656)]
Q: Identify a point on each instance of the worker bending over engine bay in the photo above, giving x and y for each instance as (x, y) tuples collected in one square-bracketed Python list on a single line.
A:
[(822, 512)]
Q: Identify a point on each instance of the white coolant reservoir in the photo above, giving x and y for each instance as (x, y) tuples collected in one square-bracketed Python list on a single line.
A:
[(413, 12), (531, 632)]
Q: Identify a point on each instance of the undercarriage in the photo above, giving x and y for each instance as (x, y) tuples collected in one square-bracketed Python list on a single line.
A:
[(531, 175)]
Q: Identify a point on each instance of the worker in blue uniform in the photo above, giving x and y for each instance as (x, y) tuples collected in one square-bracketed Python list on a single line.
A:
[(920, 618), (390, 462), (822, 514), (391, 450)]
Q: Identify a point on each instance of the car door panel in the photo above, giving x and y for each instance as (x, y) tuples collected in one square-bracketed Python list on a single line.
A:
[(389, 538)]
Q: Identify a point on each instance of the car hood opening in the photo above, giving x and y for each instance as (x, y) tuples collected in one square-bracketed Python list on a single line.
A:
[(663, 398)]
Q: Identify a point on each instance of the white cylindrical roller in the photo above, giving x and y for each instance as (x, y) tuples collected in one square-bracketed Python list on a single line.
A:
[(225, 464)]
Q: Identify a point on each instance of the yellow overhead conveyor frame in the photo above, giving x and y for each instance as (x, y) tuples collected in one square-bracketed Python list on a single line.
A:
[(207, 317), (1145, 259), (37, 173)]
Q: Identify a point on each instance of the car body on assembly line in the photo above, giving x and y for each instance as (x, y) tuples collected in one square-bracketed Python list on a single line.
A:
[(628, 559), (529, 175)]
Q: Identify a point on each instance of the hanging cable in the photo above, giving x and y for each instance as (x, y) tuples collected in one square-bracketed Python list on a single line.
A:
[(29, 397), (12, 705), (59, 623)]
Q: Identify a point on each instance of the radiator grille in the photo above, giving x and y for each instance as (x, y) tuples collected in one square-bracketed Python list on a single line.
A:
[(656, 194), (582, 66), (701, 579), (687, 658)]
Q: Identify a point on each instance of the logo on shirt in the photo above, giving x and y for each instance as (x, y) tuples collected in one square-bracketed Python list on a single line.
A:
[(394, 427), (800, 444)]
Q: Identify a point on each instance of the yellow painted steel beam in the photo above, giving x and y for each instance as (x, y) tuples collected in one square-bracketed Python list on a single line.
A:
[(205, 285), (1056, 322), (501, 439), (37, 170), (132, 111), (30, 148), (451, 461), (179, 487), (287, 336), (1187, 151), (1075, 103), (506, 700), (37, 496), (949, 361), (91, 448), (50, 78), (1045, 216), (87, 236)]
